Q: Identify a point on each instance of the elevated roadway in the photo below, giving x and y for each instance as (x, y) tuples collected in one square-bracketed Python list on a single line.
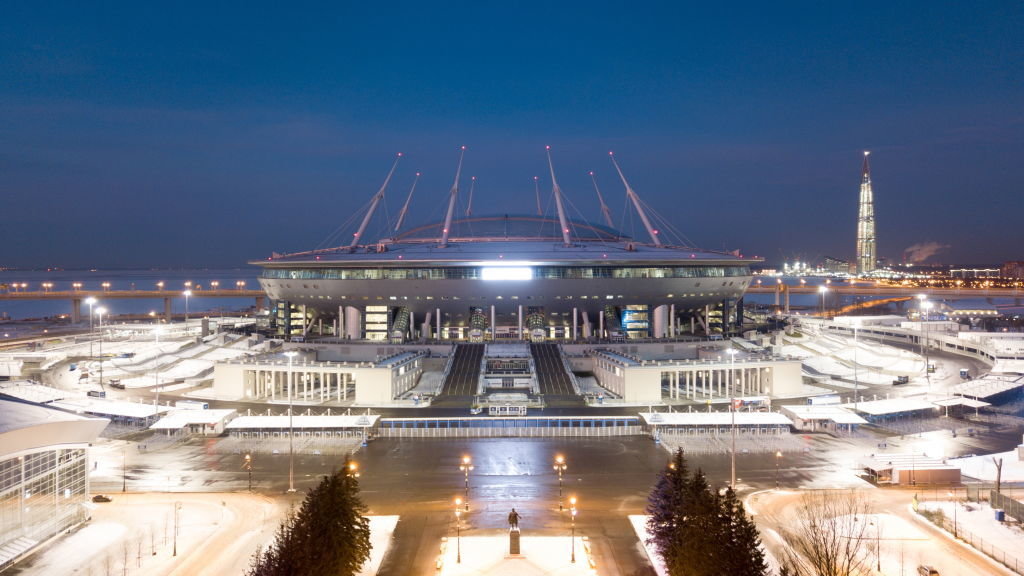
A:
[(77, 297)]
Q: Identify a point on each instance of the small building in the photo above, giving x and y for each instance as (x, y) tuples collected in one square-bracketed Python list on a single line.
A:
[(304, 426), (195, 422), (881, 411), (120, 413), (822, 417), (716, 423), (910, 470)]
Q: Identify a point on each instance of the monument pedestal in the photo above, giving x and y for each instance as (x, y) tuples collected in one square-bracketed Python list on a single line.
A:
[(513, 542)]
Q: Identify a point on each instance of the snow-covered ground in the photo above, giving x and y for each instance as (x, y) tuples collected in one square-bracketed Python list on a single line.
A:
[(983, 468)]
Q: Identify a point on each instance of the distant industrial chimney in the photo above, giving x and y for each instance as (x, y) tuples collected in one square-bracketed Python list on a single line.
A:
[(866, 250)]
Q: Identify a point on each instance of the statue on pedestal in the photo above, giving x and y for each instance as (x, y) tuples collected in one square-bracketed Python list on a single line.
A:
[(513, 519)]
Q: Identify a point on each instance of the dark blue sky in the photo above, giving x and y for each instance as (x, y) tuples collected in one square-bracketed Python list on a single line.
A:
[(209, 134)]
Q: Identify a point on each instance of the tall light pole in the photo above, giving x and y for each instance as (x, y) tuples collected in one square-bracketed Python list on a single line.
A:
[(953, 498), (291, 431), (778, 457), (186, 294), (572, 511), (823, 290), (732, 410), (248, 468), (100, 312), (92, 332), (177, 508), (465, 467), (560, 467), (856, 378), (458, 530)]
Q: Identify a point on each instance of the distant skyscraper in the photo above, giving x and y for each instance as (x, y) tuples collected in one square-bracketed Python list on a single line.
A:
[(866, 249)]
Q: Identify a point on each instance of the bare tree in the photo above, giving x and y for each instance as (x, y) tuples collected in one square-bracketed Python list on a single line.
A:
[(999, 474), (830, 535)]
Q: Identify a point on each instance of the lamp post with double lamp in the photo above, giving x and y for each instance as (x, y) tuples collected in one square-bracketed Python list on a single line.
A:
[(572, 511), (823, 290), (458, 530), (465, 467), (732, 410), (291, 431), (560, 467), (248, 468)]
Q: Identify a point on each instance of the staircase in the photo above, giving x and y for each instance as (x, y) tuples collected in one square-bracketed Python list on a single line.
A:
[(464, 374)]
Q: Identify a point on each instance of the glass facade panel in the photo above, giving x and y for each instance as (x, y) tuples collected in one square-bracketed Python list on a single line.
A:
[(539, 272)]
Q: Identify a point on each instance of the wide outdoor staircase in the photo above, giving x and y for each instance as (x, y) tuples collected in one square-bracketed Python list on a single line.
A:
[(464, 372), (552, 377)]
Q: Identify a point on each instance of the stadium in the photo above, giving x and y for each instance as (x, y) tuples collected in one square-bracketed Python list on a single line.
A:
[(506, 277)]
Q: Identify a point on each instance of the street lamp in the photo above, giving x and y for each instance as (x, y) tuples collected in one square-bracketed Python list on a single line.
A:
[(856, 377), (91, 302), (732, 410), (778, 457), (465, 467), (177, 508), (100, 312), (352, 469), (248, 468), (952, 497), (291, 431), (560, 467), (823, 290), (458, 530), (572, 510), (186, 294)]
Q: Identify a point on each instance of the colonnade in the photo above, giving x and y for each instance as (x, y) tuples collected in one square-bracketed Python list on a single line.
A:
[(308, 383), (719, 381)]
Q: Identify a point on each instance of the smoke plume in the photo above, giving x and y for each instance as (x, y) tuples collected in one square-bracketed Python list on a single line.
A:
[(918, 253)]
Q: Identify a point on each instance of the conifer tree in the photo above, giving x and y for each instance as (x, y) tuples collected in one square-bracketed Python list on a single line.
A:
[(665, 508), (328, 535), (739, 542)]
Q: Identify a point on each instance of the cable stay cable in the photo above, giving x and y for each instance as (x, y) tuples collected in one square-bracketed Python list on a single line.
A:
[(405, 207)]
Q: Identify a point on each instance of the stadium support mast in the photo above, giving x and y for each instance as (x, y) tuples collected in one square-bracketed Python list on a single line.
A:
[(373, 205), (866, 248), (536, 190), (451, 201), (558, 201), (636, 203), (605, 211), (405, 207), (472, 186)]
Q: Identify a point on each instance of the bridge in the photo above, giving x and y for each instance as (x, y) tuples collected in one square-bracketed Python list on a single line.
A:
[(77, 297), (881, 292)]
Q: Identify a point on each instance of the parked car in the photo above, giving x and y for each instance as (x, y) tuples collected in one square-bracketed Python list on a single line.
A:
[(101, 498)]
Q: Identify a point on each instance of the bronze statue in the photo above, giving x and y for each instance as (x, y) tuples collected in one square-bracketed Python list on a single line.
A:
[(513, 519)]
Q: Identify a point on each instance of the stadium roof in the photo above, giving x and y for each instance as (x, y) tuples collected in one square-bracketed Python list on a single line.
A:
[(25, 427), (513, 239)]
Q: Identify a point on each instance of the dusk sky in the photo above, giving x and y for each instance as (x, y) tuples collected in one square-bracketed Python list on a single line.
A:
[(210, 134)]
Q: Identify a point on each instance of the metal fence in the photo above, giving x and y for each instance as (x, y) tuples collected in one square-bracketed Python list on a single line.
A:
[(495, 427), (1010, 506), (1012, 562)]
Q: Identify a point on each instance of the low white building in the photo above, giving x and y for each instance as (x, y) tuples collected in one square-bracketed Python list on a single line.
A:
[(195, 422)]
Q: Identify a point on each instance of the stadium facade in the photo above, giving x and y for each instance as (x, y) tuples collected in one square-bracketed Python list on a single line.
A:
[(501, 277)]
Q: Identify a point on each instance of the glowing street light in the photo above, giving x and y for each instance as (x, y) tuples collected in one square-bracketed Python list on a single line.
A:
[(465, 467), (248, 468), (823, 290), (560, 467), (100, 312), (291, 431), (106, 286)]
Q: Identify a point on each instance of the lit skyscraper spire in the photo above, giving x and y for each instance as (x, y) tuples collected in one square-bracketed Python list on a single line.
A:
[(866, 249)]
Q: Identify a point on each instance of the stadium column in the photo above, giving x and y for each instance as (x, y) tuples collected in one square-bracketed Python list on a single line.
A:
[(437, 321), (672, 321), (340, 328), (412, 325), (494, 327), (660, 318), (425, 327), (519, 320), (600, 324), (353, 321), (167, 309), (575, 313)]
